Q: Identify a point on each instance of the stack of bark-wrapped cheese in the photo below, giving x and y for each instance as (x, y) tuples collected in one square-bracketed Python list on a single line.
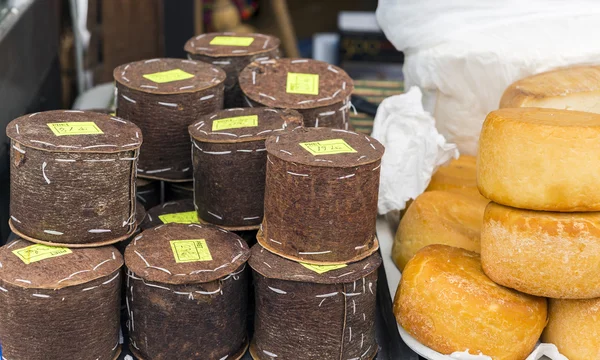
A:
[(316, 261), (72, 194)]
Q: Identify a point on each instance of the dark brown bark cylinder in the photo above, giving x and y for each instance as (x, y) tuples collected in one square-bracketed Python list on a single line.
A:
[(321, 206), (301, 314), (229, 161), (187, 293), (65, 306), (179, 191), (76, 188), (232, 52), (147, 192), (163, 97), (319, 91)]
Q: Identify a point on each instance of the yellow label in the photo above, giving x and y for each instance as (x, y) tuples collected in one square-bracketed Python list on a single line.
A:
[(113, 114), (190, 250), (75, 128), (328, 147), (235, 122), (188, 217), (307, 84), (37, 252), (168, 76), (232, 40), (320, 269)]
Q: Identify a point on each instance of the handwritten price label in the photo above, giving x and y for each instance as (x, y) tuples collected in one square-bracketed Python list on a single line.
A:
[(232, 40), (328, 147), (168, 76), (75, 128), (321, 269), (298, 83), (188, 217), (235, 122), (193, 250), (38, 252)]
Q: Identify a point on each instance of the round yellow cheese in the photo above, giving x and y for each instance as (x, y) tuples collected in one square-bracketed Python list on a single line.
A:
[(439, 217), (572, 88), (549, 254), (447, 303), (540, 159), (574, 327), (459, 174)]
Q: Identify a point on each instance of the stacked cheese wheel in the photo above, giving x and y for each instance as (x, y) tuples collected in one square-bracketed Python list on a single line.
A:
[(571, 236), (541, 235), (539, 238)]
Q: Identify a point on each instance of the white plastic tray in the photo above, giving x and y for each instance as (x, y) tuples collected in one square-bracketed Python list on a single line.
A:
[(385, 234)]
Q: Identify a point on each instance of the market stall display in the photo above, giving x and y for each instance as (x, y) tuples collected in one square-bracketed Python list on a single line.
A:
[(181, 91), (318, 182), (229, 160), (187, 281), (73, 177), (318, 90), (313, 312), (232, 52), (58, 302)]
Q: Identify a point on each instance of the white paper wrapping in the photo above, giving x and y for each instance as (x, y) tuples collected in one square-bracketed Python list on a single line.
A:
[(414, 149), (464, 54)]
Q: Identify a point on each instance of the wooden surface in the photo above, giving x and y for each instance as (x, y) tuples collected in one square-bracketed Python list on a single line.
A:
[(128, 30)]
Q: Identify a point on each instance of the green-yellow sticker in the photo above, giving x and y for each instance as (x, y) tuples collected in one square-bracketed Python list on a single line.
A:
[(75, 128), (232, 40), (307, 84), (321, 269), (37, 252), (168, 76), (188, 217), (186, 251), (235, 122), (328, 147)]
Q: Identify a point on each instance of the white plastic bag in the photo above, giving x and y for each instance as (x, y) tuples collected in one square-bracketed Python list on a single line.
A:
[(413, 149), (464, 54)]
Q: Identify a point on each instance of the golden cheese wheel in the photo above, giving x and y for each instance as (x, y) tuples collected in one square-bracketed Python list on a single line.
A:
[(540, 159), (549, 254), (459, 174), (439, 217), (447, 303), (574, 327), (571, 88)]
